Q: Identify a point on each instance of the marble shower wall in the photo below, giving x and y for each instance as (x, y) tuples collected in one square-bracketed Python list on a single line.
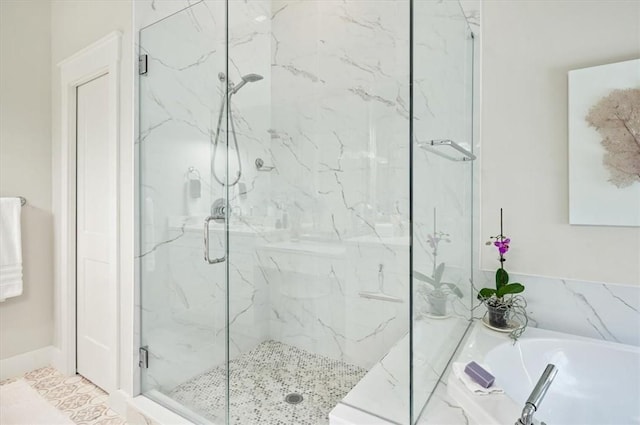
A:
[(339, 141)]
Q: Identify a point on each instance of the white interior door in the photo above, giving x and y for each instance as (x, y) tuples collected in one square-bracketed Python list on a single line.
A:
[(96, 313)]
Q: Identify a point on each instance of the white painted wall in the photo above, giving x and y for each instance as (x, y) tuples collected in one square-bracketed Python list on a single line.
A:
[(76, 24), (528, 48), (25, 167)]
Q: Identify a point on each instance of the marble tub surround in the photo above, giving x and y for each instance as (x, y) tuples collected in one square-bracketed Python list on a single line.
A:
[(445, 406), (388, 379), (608, 396), (604, 311), (442, 409)]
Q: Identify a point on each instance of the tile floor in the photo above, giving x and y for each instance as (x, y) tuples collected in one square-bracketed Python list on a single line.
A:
[(260, 381), (79, 399)]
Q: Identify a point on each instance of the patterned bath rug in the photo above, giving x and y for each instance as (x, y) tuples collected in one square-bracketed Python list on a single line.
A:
[(22, 405)]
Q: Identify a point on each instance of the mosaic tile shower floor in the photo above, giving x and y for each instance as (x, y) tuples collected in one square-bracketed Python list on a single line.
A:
[(263, 377)]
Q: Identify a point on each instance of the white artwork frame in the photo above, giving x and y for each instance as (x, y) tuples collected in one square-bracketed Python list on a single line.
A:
[(593, 199)]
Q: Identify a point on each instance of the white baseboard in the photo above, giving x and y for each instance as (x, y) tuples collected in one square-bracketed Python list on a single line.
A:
[(59, 363), (23, 363), (118, 401)]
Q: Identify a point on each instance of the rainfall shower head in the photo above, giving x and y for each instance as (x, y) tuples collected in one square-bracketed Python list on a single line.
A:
[(249, 78)]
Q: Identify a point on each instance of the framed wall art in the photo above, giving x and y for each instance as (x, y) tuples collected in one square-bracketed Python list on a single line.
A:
[(604, 145)]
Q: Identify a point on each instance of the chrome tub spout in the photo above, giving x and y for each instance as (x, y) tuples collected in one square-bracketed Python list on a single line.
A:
[(537, 395)]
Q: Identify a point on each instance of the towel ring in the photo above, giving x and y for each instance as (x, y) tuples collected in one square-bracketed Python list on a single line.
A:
[(193, 171)]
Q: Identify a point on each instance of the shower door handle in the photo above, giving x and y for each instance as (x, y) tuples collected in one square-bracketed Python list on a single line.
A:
[(206, 243)]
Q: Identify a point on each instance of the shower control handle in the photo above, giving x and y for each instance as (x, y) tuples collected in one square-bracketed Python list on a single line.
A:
[(206, 243), (219, 210)]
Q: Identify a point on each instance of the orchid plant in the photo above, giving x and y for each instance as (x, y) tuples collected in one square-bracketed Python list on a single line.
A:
[(503, 287), (440, 288)]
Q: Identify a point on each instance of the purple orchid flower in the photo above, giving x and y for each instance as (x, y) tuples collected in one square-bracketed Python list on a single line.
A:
[(502, 245)]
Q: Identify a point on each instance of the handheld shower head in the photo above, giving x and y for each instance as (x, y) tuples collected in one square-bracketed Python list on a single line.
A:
[(225, 102), (249, 78)]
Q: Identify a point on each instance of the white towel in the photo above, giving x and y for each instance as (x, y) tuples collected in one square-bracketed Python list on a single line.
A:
[(473, 386), (10, 248)]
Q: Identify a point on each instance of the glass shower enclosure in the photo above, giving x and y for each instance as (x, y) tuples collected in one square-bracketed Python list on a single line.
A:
[(305, 204)]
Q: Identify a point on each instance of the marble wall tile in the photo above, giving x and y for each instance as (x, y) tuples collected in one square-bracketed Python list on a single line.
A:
[(471, 10), (596, 310)]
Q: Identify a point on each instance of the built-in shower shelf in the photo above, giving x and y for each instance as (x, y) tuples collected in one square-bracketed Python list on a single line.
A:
[(437, 146), (193, 224), (320, 249)]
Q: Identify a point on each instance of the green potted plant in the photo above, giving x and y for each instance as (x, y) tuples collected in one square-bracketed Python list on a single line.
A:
[(438, 291), (500, 300)]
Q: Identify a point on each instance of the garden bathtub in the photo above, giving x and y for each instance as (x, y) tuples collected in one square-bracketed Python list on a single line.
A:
[(598, 382)]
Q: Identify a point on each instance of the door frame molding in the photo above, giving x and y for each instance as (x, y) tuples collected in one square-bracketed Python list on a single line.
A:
[(98, 59)]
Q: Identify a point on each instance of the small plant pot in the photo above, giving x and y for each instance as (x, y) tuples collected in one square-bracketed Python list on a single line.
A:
[(499, 315), (437, 303)]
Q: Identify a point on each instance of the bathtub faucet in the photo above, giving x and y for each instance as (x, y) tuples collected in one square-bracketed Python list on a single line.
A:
[(537, 395)]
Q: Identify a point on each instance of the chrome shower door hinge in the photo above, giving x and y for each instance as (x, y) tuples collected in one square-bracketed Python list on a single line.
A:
[(142, 64), (143, 361)]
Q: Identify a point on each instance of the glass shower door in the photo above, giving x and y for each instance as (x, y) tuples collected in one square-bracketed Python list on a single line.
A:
[(183, 296), (442, 173)]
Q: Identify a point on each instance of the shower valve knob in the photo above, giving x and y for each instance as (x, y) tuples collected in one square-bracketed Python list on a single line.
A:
[(219, 210)]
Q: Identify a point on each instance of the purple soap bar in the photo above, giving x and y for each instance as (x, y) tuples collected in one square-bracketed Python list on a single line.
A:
[(478, 374)]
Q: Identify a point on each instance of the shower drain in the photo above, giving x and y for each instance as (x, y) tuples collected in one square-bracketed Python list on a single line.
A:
[(293, 398)]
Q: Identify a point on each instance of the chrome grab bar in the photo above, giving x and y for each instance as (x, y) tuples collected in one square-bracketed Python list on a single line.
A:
[(537, 395), (431, 146), (206, 243)]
